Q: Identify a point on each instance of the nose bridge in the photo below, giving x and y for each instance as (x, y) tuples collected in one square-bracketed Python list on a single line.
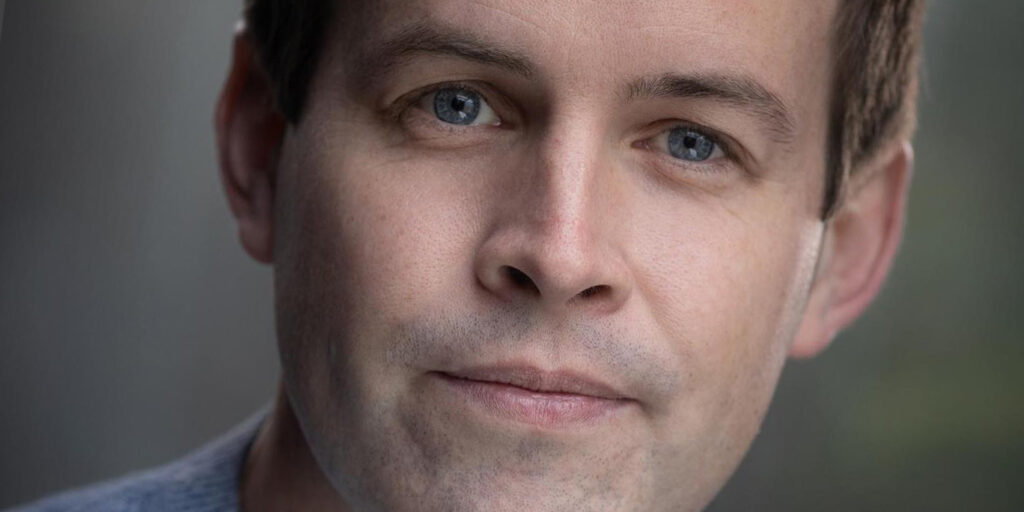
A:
[(565, 187), (553, 241)]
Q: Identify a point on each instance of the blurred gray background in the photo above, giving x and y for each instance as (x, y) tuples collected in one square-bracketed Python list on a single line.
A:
[(133, 327)]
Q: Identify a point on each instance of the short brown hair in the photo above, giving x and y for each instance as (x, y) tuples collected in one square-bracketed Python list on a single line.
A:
[(876, 44)]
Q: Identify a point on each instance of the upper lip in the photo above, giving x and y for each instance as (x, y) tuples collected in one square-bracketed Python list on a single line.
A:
[(541, 381)]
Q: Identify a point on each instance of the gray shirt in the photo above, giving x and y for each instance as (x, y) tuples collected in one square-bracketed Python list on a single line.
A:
[(205, 481)]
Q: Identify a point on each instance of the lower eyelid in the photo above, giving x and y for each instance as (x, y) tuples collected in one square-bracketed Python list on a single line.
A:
[(421, 126), (678, 169), (426, 119), (718, 163)]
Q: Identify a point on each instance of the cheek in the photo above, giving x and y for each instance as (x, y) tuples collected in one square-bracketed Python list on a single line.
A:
[(716, 278), (401, 238), (363, 243), (728, 301)]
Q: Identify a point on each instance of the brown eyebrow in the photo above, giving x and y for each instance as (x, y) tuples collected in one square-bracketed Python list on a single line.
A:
[(439, 40), (742, 92)]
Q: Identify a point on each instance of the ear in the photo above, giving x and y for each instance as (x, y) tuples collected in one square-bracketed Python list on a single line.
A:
[(858, 249), (249, 131)]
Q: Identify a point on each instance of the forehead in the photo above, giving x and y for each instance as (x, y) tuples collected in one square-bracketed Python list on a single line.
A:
[(783, 44)]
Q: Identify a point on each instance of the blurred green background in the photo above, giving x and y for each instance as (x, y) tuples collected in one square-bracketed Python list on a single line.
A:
[(124, 297), (921, 405)]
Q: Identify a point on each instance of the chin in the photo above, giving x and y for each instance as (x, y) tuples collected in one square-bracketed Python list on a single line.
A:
[(421, 453)]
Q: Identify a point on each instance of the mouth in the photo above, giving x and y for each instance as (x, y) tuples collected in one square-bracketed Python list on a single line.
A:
[(535, 397)]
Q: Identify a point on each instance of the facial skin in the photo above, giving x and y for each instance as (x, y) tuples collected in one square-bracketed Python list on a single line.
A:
[(558, 233)]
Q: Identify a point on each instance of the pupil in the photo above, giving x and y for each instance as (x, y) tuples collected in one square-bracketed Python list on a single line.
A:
[(690, 142), (458, 103)]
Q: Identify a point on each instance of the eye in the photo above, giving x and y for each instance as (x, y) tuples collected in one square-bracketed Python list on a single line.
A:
[(689, 144), (459, 106)]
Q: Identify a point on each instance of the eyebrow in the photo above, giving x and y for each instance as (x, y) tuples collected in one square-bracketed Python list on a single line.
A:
[(741, 92), (438, 40)]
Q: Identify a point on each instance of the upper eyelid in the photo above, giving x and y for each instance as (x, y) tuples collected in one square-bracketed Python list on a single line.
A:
[(397, 108), (430, 89)]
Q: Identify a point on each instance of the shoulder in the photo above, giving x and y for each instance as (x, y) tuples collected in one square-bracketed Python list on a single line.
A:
[(205, 481), (157, 490)]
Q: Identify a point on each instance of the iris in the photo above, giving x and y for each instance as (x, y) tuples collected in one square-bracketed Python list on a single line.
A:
[(690, 145), (456, 105)]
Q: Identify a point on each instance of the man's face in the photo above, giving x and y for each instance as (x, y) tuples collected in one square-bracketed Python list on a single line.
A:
[(549, 255)]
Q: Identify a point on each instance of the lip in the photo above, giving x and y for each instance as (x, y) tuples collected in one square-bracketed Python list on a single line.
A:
[(535, 397)]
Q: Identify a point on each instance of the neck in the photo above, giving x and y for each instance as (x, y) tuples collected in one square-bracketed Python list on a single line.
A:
[(280, 472)]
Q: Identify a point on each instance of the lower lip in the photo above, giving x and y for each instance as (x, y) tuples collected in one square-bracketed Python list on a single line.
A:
[(549, 410)]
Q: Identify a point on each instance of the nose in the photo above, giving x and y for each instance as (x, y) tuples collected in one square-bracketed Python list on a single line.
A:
[(552, 238)]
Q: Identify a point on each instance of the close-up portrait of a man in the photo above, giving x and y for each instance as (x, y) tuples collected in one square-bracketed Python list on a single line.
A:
[(543, 255)]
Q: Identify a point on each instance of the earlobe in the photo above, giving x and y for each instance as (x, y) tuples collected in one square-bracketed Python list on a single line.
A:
[(249, 132), (860, 245)]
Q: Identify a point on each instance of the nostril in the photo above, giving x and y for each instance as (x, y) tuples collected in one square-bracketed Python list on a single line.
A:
[(520, 279), (593, 290)]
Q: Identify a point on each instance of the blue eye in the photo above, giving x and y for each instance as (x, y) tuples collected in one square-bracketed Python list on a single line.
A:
[(457, 106), (690, 145)]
